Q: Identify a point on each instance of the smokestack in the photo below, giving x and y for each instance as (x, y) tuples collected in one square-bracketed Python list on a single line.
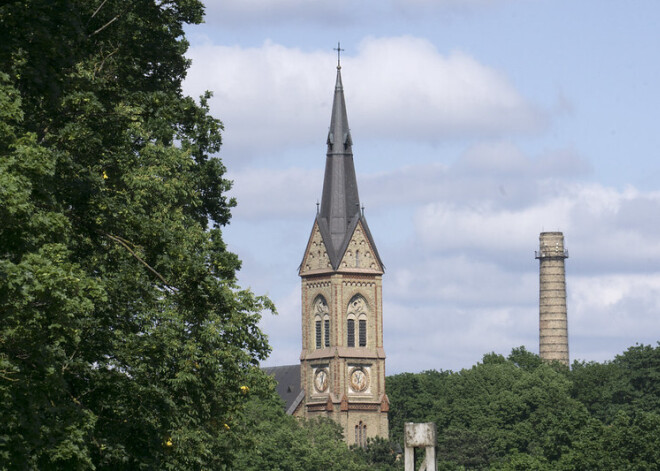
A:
[(553, 324)]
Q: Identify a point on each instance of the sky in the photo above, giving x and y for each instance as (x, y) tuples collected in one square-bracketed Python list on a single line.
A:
[(476, 125)]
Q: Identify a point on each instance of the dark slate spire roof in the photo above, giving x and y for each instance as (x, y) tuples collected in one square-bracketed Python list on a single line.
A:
[(340, 203)]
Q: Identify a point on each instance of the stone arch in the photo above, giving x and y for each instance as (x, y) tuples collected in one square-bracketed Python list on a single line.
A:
[(361, 434), (320, 322), (357, 314)]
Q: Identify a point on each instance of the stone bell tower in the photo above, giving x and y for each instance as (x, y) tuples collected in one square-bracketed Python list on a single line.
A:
[(553, 321), (342, 363)]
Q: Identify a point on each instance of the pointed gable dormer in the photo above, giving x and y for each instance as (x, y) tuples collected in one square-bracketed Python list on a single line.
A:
[(340, 212)]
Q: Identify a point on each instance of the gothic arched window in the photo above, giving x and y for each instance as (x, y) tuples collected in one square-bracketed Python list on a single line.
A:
[(356, 312), (318, 334), (321, 315), (361, 434), (350, 330), (362, 324)]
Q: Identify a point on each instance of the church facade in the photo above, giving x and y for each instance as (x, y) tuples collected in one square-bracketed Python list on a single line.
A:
[(342, 363)]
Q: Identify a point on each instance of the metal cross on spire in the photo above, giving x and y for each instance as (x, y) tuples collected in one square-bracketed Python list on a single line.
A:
[(339, 51)]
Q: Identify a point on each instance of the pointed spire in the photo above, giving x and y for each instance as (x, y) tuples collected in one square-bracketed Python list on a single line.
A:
[(339, 135), (340, 203), (340, 213)]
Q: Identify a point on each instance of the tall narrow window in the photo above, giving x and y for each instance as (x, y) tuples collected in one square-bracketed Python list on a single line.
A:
[(318, 334), (357, 259), (321, 312), (363, 332), (351, 333), (326, 326), (359, 443), (361, 434), (357, 310)]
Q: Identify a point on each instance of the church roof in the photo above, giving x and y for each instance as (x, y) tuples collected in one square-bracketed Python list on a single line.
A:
[(340, 202), (288, 385)]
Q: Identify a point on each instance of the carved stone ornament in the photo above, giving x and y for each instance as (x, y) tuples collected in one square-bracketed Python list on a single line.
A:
[(317, 256), (359, 380), (357, 306), (321, 380), (320, 306)]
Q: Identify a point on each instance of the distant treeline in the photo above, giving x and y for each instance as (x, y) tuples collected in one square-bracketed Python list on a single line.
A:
[(514, 413), (521, 413)]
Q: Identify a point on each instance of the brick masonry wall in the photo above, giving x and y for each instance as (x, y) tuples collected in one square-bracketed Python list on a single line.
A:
[(553, 319)]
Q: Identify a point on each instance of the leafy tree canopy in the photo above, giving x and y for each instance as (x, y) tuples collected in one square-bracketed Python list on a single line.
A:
[(273, 440), (519, 413), (124, 340)]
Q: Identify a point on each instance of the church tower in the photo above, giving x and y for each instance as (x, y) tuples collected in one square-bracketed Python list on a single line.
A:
[(342, 363)]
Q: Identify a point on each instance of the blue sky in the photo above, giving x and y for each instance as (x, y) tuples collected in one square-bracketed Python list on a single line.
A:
[(477, 125)]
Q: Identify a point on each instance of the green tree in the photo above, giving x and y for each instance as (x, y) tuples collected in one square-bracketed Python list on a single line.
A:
[(412, 397), (524, 359), (626, 443), (125, 342), (629, 383), (497, 410), (640, 369), (381, 454), (520, 413), (272, 440)]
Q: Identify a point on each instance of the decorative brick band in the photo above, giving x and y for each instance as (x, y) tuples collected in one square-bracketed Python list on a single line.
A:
[(318, 284), (359, 406), (360, 284)]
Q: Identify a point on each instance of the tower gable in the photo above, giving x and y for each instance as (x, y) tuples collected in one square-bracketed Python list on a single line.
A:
[(360, 254), (316, 259)]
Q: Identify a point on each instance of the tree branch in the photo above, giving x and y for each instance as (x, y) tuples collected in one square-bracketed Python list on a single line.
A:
[(105, 25), (100, 6), (124, 243)]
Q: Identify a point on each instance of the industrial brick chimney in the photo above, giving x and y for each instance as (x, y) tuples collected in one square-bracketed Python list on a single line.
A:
[(553, 324)]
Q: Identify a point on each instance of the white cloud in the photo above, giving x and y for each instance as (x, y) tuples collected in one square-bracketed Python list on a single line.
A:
[(246, 13), (494, 174), (406, 89), (606, 298), (276, 194), (272, 96), (268, 97), (610, 312), (603, 226), (439, 337), (283, 330)]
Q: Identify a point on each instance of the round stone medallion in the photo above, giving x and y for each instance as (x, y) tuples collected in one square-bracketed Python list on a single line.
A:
[(321, 380), (359, 380)]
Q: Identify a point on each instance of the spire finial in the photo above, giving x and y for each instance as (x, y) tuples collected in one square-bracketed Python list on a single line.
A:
[(339, 51)]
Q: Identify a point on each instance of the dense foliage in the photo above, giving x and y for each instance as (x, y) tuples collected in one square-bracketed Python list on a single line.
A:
[(124, 340), (274, 440), (521, 413)]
